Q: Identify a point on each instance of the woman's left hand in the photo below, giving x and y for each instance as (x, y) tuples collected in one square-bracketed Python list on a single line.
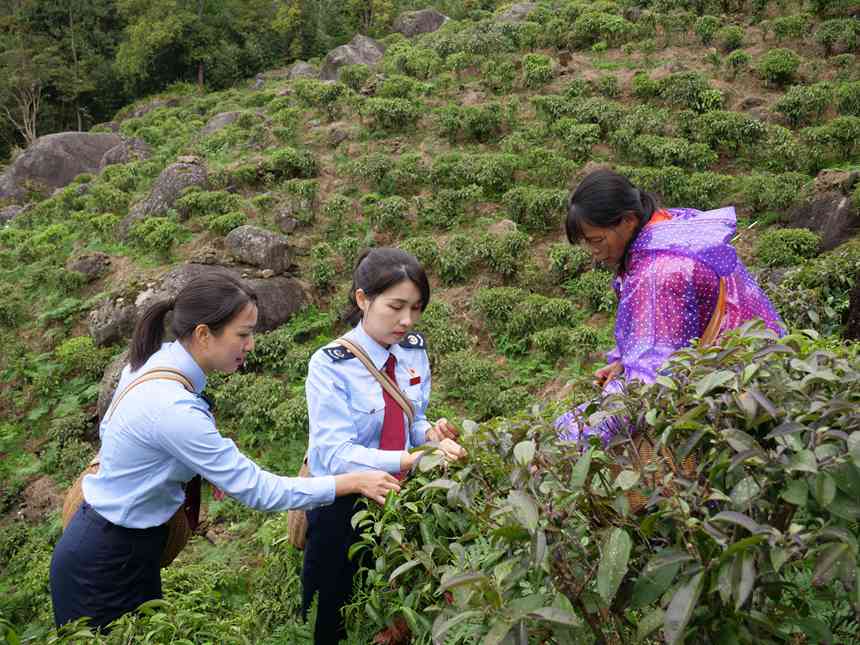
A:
[(442, 429), (451, 450)]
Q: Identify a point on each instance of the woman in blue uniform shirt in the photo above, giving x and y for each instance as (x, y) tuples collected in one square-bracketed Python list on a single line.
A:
[(355, 425), (157, 438)]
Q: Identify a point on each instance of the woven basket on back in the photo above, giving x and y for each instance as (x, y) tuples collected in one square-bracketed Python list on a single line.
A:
[(178, 528), (652, 466)]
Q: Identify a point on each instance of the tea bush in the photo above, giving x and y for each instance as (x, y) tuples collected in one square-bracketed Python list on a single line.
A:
[(840, 33), (567, 261), (392, 114), (354, 76), (195, 202), (291, 163), (491, 172), (737, 61), (787, 246), (537, 70), (450, 205), (322, 270), (424, 248), (690, 90), (593, 289), (848, 98), (80, 356), (790, 27), (577, 138), (730, 38), (498, 75), (444, 334), (764, 191), (779, 66), (655, 150), (223, 224), (805, 104), (728, 131), (401, 87), (472, 123), (837, 139), (706, 27), (504, 253), (782, 516), (536, 209), (457, 259), (386, 213), (591, 27), (327, 96), (157, 235)]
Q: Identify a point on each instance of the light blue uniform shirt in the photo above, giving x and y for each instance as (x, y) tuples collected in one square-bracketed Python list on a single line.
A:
[(161, 435), (346, 407)]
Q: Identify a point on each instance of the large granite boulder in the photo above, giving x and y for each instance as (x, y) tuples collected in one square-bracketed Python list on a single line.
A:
[(830, 214), (361, 50), (126, 151), (54, 160), (219, 122), (259, 247), (278, 299), (173, 180), (301, 69), (9, 213), (517, 12), (413, 23)]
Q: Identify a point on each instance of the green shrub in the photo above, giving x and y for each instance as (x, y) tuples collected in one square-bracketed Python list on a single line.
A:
[(607, 85), (80, 355), (496, 305), (706, 28), (401, 87), (593, 289), (463, 370), (707, 190), (249, 402), (730, 38), (392, 114), (728, 130), (838, 33), (406, 58), (848, 98), (805, 104), (291, 163), (457, 259), (195, 201), (764, 191), (537, 70), (474, 123), (336, 211), (386, 213), (786, 246), (738, 61), (536, 209), (591, 27), (498, 75), (491, 172), (348, 248), (424, 248), (790, 27), (314, 93), (566, 341), (532, 314), (444, 334), (779, 150), (567, 261), (690, 90), (504, 253), (450, 205), (354, 76), (644, 87), (779, 66), (670, 151), (322, 270), (840, 135), (223, 224), (156, 235), (290, 420), (546, 167)]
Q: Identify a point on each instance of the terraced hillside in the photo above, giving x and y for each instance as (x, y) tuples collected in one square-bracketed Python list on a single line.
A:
[(461, 145)]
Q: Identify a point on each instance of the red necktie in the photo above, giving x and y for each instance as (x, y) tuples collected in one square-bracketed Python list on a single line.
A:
[(393, 435)]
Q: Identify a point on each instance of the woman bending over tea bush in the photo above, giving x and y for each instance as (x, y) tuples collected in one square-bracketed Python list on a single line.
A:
[(677, 278)]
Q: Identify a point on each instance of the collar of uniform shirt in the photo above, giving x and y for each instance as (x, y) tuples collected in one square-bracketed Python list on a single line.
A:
[(378, 354), (178, 358)]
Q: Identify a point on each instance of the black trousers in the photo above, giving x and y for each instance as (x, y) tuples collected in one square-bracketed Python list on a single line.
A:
[(102, 571), (327, 570)]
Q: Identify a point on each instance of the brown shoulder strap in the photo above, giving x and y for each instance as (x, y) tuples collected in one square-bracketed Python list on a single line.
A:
[(162, 374), (389, 386), (709, 336)]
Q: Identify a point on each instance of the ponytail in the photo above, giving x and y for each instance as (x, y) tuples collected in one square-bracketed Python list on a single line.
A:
[(212, 299), (149, 333)]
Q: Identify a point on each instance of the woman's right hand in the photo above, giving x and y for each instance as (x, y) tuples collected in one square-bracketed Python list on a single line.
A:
[(606, 374), (373, 484)]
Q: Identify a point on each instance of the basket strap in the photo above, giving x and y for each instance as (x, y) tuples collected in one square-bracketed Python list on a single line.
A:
[(161, 373), (389, 386), (709, 336)]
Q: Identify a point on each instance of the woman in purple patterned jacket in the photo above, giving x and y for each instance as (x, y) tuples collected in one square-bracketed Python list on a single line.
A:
[(675, 269)]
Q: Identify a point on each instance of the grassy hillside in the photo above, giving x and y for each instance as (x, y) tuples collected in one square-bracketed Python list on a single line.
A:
[(460, 147)]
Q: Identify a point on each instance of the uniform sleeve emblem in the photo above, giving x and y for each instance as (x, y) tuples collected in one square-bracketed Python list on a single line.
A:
[(337, 354), (414, 340)]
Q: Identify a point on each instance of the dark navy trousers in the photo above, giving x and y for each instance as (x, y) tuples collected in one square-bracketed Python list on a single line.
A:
[(327, 570), (102, 571)]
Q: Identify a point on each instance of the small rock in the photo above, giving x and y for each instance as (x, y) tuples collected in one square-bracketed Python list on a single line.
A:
[(502, 227), (517, 12), (831, 215), (257, 246), (752, 102), (127, 151), (337, 136), (266, 274), (9, 213), (301, 69), (91, 265), (219, 122), (361, 50), (288, 224), (413, 23), (111, 322)]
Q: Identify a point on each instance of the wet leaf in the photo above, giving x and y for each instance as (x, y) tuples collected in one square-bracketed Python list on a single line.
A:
[(555, 615), (460, 580), (825, 489), (743, 578), (613, 564), (627, 479), (653, 583), (737, 518), (525, 508), (649, 624), (778, 556), (803, 461), (403, 568), (524, 452), (796, 492), (712, 381), (580, 469), (824, 567), (681, 609)]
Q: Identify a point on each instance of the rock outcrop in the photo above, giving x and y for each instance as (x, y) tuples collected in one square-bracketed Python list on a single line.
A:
[(173, 180), (259, 247), (54, 160), (361, 50), (414, 23)]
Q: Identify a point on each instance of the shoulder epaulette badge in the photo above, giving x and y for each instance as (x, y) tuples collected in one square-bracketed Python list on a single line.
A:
[(337, 354), (414, 340)]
